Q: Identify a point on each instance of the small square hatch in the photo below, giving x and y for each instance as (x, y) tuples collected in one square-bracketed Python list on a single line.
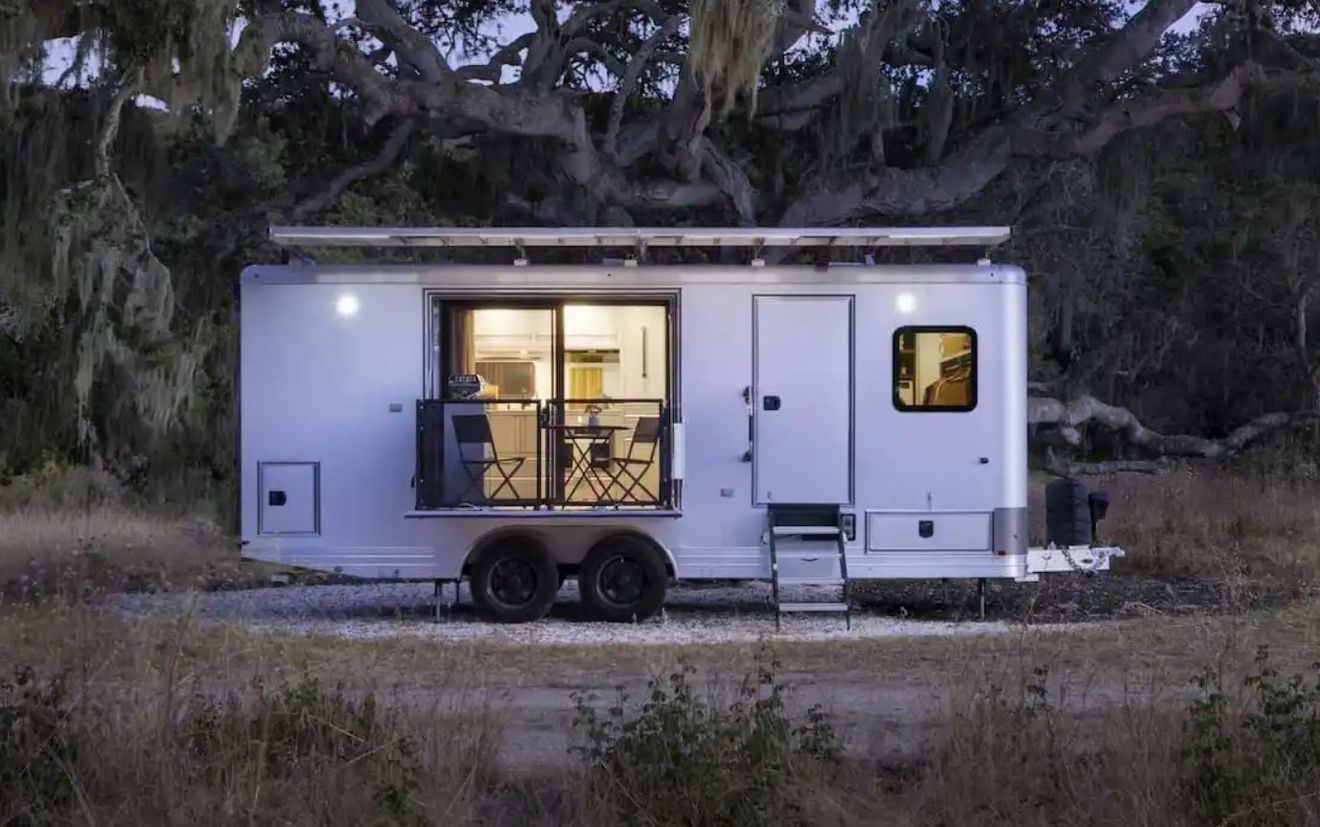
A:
[(290, 495)]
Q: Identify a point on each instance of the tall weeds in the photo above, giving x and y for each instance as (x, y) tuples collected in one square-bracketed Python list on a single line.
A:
[(299, 752)]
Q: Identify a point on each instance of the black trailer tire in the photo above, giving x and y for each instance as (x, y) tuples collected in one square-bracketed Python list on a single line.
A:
[(513, 580), (623, 579)]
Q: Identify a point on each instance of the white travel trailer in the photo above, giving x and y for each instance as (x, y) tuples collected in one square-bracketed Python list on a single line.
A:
[(629, 424)]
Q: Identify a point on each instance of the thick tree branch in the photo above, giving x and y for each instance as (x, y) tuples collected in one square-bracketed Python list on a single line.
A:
[(1060, 467), (493, 70), (105, 136), (689, 116), (499, 109), (380, 95), (731, 180), (412, 47), (902, 192), (1069, 418), (584, 15), (503, 110), (586, 45), (774, 102), (791, 106), (379, 165), (631, 76), (1100, 67), (544, 54), (874, 35), (1124, 116), (1031, 131), (700, 172)]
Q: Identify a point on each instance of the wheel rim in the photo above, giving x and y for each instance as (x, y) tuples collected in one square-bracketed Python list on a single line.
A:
[(622, 581), (513, 582)]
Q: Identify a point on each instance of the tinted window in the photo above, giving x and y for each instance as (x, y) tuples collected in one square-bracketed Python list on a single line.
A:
[(934, 369)]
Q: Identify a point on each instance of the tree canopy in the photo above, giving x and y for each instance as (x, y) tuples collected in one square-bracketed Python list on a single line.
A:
[(1156, 158)]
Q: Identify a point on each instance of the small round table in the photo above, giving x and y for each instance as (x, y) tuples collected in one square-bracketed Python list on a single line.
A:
[(584, 438)]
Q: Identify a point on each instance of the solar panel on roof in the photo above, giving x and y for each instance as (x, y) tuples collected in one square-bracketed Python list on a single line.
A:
[(634, 237)]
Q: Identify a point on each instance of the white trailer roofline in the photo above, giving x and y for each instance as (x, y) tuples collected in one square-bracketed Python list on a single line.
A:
[(640, 236), (604, 278)]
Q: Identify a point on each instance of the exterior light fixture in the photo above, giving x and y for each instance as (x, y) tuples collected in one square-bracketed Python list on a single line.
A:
[(347, 305)]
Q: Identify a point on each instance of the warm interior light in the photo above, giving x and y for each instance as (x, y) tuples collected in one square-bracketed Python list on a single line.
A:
[(347, 305), (906, 303)]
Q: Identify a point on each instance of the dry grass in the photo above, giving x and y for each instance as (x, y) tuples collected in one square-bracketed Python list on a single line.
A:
[(66, 530), (1025, 733), (1181, 523), (1084, 727), (177, 750), (1187, 522), (1007, 757), (51, 551)]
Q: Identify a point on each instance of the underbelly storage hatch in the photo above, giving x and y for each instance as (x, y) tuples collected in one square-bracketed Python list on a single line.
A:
[(928, 531)]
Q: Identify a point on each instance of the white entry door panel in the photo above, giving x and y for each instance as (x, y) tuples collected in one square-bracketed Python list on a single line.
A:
[(802, 399)]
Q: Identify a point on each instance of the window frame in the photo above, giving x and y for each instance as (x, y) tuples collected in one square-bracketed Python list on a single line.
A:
[(972, 391)]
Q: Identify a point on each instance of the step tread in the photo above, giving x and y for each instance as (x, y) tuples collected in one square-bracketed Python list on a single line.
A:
[(812, 581), (789, 530), (813, 607)]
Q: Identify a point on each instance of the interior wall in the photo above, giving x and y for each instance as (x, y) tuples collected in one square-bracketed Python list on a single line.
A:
[(928, 362), (507, 332), (631, 321)]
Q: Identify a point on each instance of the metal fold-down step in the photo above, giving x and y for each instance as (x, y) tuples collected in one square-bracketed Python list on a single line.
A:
[(813, 607), (817, 534)]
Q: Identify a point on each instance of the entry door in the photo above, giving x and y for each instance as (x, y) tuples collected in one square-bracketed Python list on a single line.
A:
[(802, 399)]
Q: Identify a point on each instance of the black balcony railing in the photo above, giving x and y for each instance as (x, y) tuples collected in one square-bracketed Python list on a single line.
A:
[(564, 453)]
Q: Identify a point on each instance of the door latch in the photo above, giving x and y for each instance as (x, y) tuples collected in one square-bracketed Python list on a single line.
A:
[(277, 498), (770, 403)]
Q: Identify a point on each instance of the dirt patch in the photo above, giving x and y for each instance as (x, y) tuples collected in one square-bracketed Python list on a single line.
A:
[(1072, 598)]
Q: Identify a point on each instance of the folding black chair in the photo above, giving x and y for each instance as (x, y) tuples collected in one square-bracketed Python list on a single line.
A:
[(474, 430), (630, 469)]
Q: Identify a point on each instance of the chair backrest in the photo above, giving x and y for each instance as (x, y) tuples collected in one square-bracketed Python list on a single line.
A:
[(647, 430), (472, 429)]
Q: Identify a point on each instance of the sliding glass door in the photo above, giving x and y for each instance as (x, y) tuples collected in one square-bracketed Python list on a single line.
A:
[(563, 402)]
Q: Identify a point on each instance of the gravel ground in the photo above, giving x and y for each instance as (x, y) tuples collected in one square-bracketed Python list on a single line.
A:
[(692, 614), (716, 612)]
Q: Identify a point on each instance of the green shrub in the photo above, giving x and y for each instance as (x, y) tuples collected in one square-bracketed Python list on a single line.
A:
[(303, 730), (1258, 764), (683, 760), (37, 749)]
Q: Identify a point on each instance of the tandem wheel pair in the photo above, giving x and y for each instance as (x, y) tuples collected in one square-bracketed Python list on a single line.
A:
[(514, 579)]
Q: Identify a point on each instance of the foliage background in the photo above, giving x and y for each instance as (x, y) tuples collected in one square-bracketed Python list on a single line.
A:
[(1170, 272)]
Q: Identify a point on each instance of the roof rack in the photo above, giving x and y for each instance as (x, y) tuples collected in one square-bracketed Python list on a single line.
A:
[(640, 237)]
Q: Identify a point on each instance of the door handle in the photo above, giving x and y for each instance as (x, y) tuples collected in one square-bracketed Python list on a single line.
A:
[(770, 403), (277, 498)]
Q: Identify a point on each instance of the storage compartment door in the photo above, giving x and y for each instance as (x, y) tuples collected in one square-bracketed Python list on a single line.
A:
[(290, 498), (928, 531), (803, 399)]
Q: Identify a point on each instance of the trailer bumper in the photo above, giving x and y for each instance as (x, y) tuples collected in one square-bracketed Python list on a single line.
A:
[(1081, 559)]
